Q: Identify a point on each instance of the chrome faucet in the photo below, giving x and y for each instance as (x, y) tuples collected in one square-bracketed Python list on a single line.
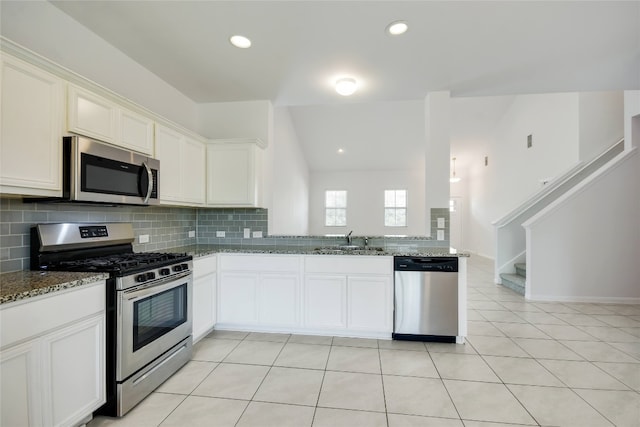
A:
[(349, 238)]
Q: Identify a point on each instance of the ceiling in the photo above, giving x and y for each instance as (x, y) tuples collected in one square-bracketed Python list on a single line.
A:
[(473, 48), (299, 48)]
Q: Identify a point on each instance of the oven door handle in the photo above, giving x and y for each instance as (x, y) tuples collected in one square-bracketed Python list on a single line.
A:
[(150, 184), (141, 292)]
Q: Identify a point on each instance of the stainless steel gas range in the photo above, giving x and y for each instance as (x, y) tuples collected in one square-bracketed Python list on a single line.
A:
[(149, 301)]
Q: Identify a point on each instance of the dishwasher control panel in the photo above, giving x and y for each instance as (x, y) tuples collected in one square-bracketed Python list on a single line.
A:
[(408, 263)]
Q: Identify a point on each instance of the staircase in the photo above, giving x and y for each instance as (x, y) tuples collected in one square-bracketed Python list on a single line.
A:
[(516, 282)]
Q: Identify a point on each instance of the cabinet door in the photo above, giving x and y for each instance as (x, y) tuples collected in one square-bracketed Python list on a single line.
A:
[(136, 132), (231, 174), (237, 297), (193, 179), (31, 120), (168, 143), (74, 374), (20, 390), (91, 115), (204, 305), (370, 303), (325, 301), (278, 298)]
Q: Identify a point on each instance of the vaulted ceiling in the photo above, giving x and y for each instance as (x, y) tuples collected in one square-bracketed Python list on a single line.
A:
[(470, 48), (299, 47)]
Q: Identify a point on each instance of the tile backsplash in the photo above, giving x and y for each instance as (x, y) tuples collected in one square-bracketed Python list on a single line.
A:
[(167, 227)]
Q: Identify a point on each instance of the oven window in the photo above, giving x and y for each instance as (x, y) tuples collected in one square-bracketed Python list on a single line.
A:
[(158, 314)]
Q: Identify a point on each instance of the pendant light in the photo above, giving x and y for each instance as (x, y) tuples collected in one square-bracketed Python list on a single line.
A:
[(454, 178)]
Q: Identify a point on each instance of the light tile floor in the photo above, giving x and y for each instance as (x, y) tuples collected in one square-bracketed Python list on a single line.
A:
[(525, 363)]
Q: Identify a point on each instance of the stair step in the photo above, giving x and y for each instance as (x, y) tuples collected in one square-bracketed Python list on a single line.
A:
[(521, 269), (514, 282)]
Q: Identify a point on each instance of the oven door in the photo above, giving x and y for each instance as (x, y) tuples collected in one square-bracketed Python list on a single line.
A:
[(152, 318)]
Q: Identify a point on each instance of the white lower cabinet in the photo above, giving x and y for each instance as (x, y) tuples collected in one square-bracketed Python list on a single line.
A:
[(20, 388), (277, 299), (52, 362), (349, 294), (325, 301), (259, 290), (370, 303), (204, 296), (343, 295), (73, 377), (238, 297)]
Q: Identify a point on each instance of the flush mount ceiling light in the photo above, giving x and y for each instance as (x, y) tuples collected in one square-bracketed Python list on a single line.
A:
[(454, 178), (346, 86), (240, 41), (396, 28)]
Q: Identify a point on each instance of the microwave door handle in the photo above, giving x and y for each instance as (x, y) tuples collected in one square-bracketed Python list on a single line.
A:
[(150, 185)]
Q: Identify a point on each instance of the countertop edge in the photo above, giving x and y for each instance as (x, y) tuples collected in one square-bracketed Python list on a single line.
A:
[(21, 285)]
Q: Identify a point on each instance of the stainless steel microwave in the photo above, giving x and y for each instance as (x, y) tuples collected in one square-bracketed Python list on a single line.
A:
[(100, 173)]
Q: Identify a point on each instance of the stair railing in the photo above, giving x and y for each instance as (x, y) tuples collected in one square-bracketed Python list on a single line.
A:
[(511, 236)]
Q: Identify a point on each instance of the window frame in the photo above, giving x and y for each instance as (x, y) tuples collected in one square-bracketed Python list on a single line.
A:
[(335, 208), (396, 208)]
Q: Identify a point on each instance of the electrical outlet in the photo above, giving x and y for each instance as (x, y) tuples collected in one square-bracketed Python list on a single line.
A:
[(143, 238), (529, 141), (257, 234), (192, 233), (220, 233), (440, 234), (440, 222), (247, 233)]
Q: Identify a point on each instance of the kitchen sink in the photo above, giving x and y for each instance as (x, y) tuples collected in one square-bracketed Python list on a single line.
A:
[(348, 248)]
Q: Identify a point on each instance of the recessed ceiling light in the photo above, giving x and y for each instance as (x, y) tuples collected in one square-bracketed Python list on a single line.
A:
[(396, 28), (340, 151), (346, 86), (240, 41)]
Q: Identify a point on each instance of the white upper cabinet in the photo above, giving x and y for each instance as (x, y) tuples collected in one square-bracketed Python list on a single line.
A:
[(91, 115), (135, 132), (31, 122), (234, 173), (96, 117), (182, 167)]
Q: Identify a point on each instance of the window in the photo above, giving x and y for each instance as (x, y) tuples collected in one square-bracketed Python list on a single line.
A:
[(335, 208), (395, 208)]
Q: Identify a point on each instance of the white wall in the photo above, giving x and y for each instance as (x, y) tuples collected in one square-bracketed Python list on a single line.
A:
[(574, 254), (601, 122), (365, 201), (246, 119), (289, 205), (514, 171), (46, 30)]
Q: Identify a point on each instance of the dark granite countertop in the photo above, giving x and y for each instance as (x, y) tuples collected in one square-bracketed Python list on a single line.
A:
[(19, 285), (205, 250)]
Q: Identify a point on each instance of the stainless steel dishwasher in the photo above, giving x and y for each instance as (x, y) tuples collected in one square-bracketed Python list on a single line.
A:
[(425, 298)]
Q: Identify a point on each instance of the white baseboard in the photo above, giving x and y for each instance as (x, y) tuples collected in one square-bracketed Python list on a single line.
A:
[(585, 299)]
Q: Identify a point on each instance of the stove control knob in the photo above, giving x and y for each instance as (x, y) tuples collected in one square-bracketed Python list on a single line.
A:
[(151, 275), (184, 267), (165, 271), (141, 278), (177, 268)]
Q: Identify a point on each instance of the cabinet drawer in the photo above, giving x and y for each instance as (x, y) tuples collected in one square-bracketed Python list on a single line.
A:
[(348, 264), (260, 263), (34, 317)]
